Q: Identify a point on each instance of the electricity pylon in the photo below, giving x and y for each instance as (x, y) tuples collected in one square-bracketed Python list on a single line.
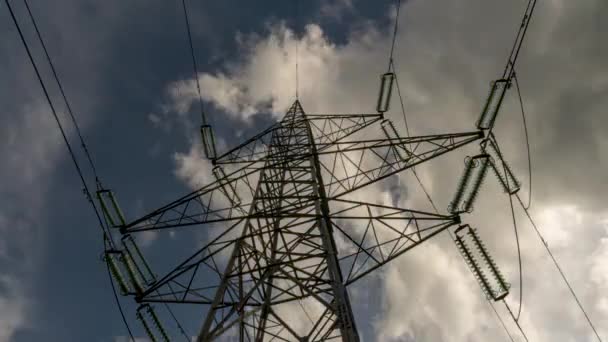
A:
[(288, 241)]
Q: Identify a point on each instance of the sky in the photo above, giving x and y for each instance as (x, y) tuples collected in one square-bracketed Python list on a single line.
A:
[(126, 69)]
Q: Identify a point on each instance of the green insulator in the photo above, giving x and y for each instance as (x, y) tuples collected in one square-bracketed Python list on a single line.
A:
[(227, 186), (208, 139), (503, 171), (116, 273), (476, 181), (146, 327), (158, 325), (135, 254), (115, 216), (131, 271), (502, 291), (386, 89), (456, 204), (391, 133), (493, 103)]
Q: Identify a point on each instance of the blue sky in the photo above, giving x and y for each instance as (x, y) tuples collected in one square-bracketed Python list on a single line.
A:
[(127, 71)]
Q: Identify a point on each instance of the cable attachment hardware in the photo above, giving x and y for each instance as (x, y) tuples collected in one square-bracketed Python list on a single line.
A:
[(391, 133), (227, 186), (133, 253), (208, 139), (386, 88), (149, 319), (490, 110), (112, 212), (470, 183), (503, 171), (481, 263)]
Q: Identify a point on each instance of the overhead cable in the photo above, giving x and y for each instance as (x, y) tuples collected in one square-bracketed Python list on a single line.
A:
[(194, 66), (69, 147), (523, 117), (559, 269), (67, 103)]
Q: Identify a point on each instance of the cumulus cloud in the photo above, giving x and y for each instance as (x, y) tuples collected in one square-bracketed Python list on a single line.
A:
[(20, 234), (14, 305), (446, 55)]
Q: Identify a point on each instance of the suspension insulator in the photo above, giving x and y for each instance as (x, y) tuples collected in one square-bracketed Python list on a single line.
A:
[(493, 103), (391, 133), (147, 328), (130, 267), (146, 313), (112, 212), (208, 139), (470, 183), (112, 257), (386, 88), (141, 265), (503, 171), (472, 248), (227, 186)]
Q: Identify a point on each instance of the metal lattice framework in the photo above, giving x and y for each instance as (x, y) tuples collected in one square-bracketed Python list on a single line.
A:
[(290, 240)]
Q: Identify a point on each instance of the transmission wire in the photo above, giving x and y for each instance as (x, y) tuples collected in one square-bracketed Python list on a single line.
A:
[(521, 281), (69, 147), (179, 326), (516, 320), (306, 312), (523, 116), (407, 128), (540, 236), (55, 115), (390, 56), (297, 52), (194, 66), (67, 103), (523, 29), (501, 321)]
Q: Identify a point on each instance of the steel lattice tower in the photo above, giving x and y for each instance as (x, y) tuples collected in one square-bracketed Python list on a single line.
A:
[(279, 204)]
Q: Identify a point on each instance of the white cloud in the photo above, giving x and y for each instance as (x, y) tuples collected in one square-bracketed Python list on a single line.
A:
[(14, 304), (30, 146)]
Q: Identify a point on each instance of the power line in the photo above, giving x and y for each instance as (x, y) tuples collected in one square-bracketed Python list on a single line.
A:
[(68, 146), (297, 52), (390, 56), (540, 236), (407, 128), (523, 116), (198, 86), (519, 40), (521, 281), (516, 320), (55, 116), (67, 103), (501, 320)]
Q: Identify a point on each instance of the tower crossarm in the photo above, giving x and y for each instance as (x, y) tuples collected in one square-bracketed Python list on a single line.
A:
[(225, 199), (326, 129), (352, 165), (373, 235)]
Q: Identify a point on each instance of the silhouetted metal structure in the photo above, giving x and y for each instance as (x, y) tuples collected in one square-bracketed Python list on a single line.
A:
[(294, 237)]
